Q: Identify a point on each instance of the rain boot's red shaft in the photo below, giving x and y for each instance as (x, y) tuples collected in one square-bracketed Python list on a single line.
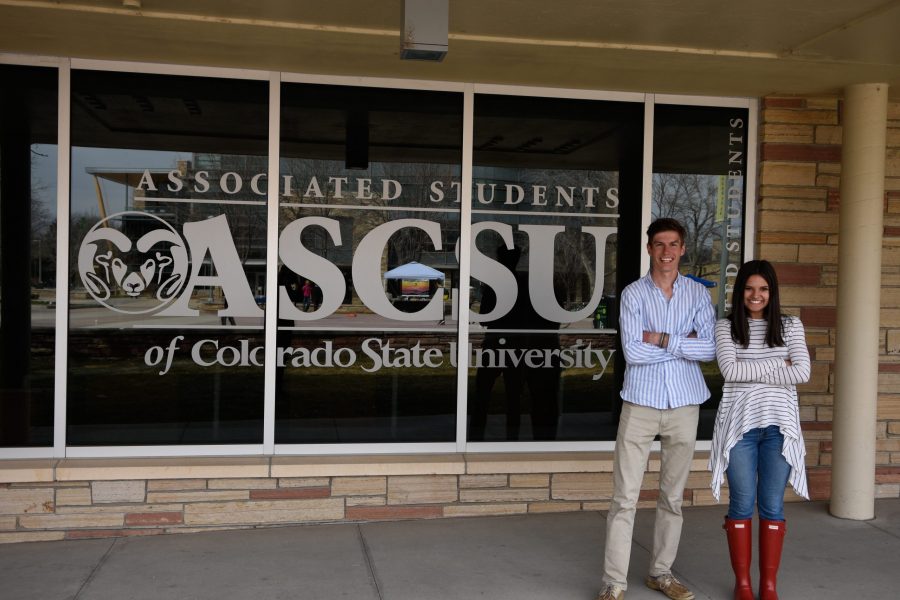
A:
[(740, 545), (771, 540)]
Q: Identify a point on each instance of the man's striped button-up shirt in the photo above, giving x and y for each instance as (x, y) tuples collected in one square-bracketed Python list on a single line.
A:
[(666, 377)]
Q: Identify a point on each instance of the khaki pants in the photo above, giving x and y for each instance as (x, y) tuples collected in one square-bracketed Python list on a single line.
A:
[(677, 429)]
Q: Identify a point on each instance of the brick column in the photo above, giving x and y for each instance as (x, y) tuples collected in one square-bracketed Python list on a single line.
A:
[(858, 301)]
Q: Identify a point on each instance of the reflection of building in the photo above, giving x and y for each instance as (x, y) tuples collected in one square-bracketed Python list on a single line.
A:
[(180, 196), (808, 189), (209, 185)]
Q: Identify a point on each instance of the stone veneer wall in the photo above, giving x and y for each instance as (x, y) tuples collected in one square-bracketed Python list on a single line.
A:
[(799, 201), (797, 221), (91, 498)]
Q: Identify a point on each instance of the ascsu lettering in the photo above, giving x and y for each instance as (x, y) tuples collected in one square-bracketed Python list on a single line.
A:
[(211, 239)]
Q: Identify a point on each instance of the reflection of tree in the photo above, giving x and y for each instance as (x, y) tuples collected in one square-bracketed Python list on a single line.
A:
[(574, 270), (302, 173), (43, 234), (410, 244), (415, 178), (691, 199), (41, 217), (246, 221), (575, 273), (79, 225)]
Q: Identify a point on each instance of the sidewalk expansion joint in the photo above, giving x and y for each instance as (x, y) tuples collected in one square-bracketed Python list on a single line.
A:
[(370, 564), (96, 568), (882, 529)]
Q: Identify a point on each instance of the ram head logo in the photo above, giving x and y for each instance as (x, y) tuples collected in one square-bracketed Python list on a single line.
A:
[(113, 267)]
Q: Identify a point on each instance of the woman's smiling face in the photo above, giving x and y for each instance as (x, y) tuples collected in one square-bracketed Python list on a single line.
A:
[(756, 296)]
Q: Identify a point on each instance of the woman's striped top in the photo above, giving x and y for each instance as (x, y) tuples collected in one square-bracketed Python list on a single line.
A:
[(760, 390)]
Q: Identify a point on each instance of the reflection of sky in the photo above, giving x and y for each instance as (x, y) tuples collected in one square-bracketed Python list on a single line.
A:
[(84, 194)]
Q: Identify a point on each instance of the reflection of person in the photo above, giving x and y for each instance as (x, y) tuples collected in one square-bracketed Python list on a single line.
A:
[(542, 383), (223, 319), (666, 323), (291, 283), (288, 280), (307, 295), (316, 297), (757, 442)]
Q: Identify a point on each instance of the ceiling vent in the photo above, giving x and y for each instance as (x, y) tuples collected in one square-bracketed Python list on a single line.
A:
[(425, 29)]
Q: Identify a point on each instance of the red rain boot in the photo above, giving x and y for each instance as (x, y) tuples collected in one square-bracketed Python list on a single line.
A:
[(771, 540), (740, 545)]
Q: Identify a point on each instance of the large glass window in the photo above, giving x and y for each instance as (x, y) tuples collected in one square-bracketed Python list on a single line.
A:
[(556, 182), (699, 175), (369, 221), (28, 160), (168, 235), (167, 263)]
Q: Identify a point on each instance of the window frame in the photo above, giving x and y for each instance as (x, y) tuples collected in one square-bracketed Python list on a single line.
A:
[(275, 78)]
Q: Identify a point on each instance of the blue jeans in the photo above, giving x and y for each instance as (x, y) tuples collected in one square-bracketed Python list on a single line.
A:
[(757, 473)]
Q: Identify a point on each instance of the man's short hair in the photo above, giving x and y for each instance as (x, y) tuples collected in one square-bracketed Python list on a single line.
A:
[(665, 224)]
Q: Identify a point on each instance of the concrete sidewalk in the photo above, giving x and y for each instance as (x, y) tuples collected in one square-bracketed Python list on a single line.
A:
[(530, 557)]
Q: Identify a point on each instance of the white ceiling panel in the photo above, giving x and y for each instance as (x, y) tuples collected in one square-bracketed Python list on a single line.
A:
[(664, 46)]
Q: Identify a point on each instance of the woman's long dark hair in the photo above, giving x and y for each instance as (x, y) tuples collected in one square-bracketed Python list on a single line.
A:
[(740, 328)]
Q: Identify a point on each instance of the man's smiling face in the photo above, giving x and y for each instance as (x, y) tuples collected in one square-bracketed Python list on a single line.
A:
[(665, 250)]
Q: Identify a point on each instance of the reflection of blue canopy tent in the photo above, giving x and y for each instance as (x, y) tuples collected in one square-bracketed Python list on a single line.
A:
[(414, 270), (706, 282)]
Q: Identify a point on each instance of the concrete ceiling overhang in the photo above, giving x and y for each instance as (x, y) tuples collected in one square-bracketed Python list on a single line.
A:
[(702, 47)]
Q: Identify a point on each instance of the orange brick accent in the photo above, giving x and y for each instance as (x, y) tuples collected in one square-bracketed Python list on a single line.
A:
[(816, 426), (290, 494), (375, 513), (791, 274), (85, 534), (818, 316), (819, 481), (154, 518), (801, 152), (784, 103), (887, 475)]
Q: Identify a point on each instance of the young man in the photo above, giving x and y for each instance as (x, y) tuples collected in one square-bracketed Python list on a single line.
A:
[(667, 324)]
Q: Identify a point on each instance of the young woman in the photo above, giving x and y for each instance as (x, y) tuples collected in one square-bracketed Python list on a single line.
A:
[(757, 442)]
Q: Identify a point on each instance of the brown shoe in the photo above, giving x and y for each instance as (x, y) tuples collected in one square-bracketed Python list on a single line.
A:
[(612, 592), (671, 587)]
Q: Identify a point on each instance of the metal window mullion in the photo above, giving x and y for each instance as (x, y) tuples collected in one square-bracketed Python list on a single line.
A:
[(377, 82), (465, 241), (30, 60), (271, 322), (149, 68), (358, 449), (63, 173), (163, 451), (701, 101), (749, 229), (647, 188)]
